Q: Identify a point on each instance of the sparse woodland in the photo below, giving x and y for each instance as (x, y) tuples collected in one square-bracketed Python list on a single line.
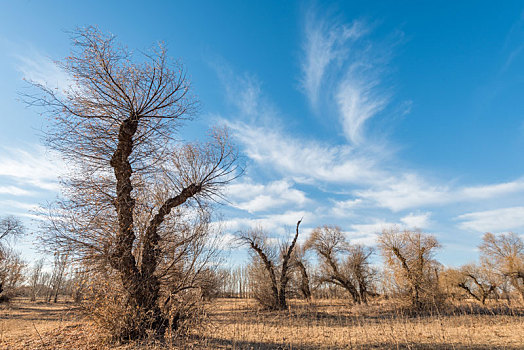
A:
[(134, 247)]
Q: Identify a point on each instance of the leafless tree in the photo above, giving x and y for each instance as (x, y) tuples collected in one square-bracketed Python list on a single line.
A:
[(342, 264), (115, 126), (78, 283), (10, 227), (409, 254), (449, 280), (234, 282), (60, 265), (300, 263), (275, 266), (11, 272), (505, 253), (477, 281), (35, 279)]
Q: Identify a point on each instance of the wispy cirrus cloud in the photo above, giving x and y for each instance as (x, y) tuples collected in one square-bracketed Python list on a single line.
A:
[(14, 191), (413, 220), (492, 190), (325, 43), (34, 167), (38, 68), (358, 101), (340, 64), (305, 161), (339, 68), (276, 224), (412, 191), (256, 197), (496, 220), (405, 191)]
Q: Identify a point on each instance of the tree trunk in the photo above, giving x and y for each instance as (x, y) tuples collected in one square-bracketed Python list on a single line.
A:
[(304, 285)]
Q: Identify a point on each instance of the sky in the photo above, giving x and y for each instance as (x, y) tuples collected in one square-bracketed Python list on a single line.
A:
[(361, 114)]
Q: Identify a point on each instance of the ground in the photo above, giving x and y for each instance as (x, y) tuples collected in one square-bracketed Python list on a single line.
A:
[(238, 324)]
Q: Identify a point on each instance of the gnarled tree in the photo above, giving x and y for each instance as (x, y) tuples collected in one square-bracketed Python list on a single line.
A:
[(130, 178), (273, 267), (342, 264), (477, 281), (409, 254), (505, 253), (300, 264)]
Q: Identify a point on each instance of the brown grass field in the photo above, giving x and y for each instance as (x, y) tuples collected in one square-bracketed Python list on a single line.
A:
[(238, 324)]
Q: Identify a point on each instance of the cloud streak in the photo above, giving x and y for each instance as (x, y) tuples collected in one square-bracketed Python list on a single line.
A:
[(497, 220), (339, 64), (38, 68), (34, 167), (325, 43), (305, 161), (256, 197)]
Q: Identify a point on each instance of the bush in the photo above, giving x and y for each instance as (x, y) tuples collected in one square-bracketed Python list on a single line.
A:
[(106, 303)]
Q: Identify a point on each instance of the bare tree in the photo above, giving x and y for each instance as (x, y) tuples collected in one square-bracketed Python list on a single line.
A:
[(276, 269), (477, 281), (449, 282), (78, 283), (10, 227), (35, 279), (115, 126), (505, 253), (11, 272), (410, 256), (300, 263), (342, 264), (60, 264), (234, 282)]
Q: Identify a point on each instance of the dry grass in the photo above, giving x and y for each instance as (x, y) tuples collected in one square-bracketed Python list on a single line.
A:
[(335, 325), (238, 324)]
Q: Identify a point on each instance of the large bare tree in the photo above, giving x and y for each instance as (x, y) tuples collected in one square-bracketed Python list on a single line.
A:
[(342, 264), (478, 282), (410, 256), (300, 264), (505, 254), (129, 178), (275, 266)]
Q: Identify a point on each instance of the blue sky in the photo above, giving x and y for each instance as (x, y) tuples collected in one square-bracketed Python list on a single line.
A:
[(361, 114)]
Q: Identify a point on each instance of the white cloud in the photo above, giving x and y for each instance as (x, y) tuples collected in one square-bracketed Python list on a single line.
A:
[(412, 191), (324, 44), (35, 167), (367, 234), (344, 208), (19, 205), (340, 62), (258, 197), (38, 68), (407, 191), (496, 220), (494, 190), (304, 159), (14, 191), (358, 101), (273, 223), (416, 220)]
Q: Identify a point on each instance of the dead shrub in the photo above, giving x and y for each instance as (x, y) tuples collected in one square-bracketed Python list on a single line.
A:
[(106, 304)]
